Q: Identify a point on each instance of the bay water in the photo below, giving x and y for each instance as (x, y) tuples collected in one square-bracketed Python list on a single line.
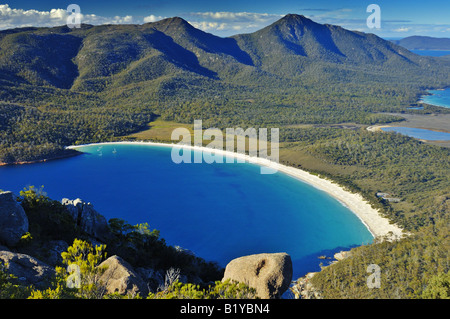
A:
[(218, 211)]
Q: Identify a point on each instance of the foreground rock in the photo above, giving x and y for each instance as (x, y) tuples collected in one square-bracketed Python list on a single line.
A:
[(13, 220), (87, 218), (28, 270), (269, 274), (121, 278)]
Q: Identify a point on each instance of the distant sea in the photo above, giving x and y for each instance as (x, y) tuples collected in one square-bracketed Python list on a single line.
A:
[(435, 53), (437, 98), (218, 211)]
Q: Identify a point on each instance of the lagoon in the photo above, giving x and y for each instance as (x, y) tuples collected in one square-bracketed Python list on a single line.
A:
[(218, 211), (419, 133)]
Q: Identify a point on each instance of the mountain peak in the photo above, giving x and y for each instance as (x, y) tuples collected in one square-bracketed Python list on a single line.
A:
[(175, 22), (292, 25), (295, 19), (175, 26)]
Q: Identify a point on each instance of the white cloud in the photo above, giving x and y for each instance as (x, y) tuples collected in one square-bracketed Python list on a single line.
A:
[(58, 14), (227, 23), (16, 18), (215, 22), (221, 23), (11, 18), (237, 16), (402, 29), (152, 18), (209, 26)]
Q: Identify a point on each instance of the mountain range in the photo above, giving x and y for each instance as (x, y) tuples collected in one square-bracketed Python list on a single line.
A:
[(320, 84), (97, 58), (424, 43), (62, 86)]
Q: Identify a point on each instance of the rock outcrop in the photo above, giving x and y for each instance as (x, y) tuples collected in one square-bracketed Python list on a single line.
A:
[(87, 218), (342, 255), (28, 270), (121, 278), (269, 274), (52, 251), (303, 289), (13, 220)]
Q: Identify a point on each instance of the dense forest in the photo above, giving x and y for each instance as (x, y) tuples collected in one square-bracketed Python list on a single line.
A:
[(60, 86), (103, 83), (368, 163)]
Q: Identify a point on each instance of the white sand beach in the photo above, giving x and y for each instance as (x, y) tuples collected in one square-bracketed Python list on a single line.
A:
[(378, 225), (376, 128)]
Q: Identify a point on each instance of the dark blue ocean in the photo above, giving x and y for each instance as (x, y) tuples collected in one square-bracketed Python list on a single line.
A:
[(218, 211)]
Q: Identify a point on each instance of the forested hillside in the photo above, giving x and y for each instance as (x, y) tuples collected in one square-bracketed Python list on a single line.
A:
[(61, 86)]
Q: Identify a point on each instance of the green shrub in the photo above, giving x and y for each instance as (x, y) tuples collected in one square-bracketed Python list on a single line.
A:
[(220, 290), (48, 219)]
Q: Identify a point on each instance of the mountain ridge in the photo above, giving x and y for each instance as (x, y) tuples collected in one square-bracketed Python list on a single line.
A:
[(93, 57), (424, 43)]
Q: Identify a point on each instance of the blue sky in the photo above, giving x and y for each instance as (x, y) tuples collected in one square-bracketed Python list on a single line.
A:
[(399, 18)]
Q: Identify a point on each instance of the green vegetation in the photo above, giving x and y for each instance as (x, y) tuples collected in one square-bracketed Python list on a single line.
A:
[(220, 290), (415, 267), (87, 259), (48, 219), (9, 289), (320, 84), (368, 163), (85, 282), (137, 244), (100, 83)]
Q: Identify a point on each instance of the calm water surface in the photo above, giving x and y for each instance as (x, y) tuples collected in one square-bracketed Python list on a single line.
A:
[(438, 98), (435, 53), (218, 211), (419, 133)]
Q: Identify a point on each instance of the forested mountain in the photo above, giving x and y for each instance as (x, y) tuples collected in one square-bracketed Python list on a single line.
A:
[(61, 86), (297, 37), (95, 58), (417, 42)]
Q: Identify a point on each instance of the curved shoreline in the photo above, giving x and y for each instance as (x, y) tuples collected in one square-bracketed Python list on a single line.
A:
[(377, 225), (421, 99), (51, 158)]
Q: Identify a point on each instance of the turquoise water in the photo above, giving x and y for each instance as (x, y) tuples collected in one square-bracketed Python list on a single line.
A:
[(218, 211), (438, 97), (435, 53), (419, 133)]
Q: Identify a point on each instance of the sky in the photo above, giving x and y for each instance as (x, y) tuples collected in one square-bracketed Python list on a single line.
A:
[(399, 18)]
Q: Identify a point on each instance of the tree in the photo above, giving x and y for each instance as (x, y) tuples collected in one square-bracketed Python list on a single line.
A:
[(82, 258), (33, 197), (8, 289), (438, 287), (220, 290), (81, 278)]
